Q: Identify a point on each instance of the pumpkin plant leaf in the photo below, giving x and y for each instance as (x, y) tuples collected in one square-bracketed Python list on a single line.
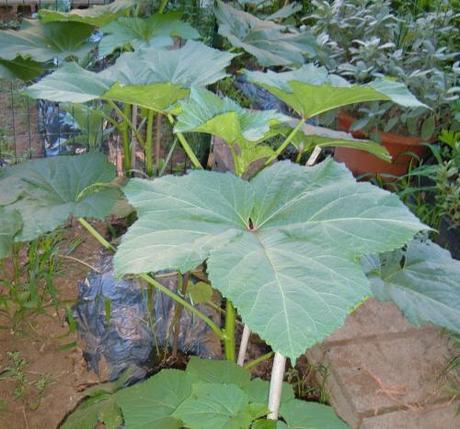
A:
[(270, 43), (20, 68), (55, 188), (207, 113), (160, 78), (217, 371), (9, 226), (311, 90), (216, 406), (153, 403), (324, 137), (200, 292), (284, 247), (310, 415), (70, 84), (157, 30), (96, 16), (43, 42), (422, 281)]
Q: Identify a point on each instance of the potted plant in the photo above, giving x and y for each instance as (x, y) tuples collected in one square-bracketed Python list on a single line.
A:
[(448, 194), (417, 52)]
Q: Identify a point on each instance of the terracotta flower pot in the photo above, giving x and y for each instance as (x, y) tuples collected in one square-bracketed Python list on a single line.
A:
[(403, 150)]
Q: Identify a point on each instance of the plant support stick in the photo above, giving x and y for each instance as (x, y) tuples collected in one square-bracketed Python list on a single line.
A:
[(276, 386), (243, 345)]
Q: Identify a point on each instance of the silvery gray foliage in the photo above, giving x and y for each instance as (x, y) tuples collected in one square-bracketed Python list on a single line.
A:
[(363, 40)]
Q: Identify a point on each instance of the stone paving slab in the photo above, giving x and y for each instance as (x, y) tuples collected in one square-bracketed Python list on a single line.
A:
[(382, 369)]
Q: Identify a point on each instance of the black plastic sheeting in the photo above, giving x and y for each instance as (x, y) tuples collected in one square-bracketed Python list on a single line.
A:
[(124, 338)]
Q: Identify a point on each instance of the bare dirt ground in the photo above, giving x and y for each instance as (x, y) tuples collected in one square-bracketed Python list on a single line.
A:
[(48, 348)]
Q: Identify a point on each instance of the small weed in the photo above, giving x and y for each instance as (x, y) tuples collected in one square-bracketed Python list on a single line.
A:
[(16, 371), (304, 378), (28, 287)]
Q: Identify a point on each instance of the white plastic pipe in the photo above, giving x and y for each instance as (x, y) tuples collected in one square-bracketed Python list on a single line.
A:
[(276, 386), (243, 346)]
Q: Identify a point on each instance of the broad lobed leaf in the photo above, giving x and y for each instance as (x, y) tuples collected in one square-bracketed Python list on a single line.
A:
[(160, 78), (423, 281), (44, 42), (157, 30), (284, 247), (52, 189), (95, 16), (311, 90), (272, 44)]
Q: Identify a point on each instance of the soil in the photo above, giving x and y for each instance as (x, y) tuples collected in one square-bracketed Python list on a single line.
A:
[(49, 350)]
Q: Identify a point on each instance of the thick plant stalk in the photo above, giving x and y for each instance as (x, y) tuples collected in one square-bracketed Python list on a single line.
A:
[(276, 386), (148, 148), (152, 282), (157, 143), (125, 141), (286, 142), (229, 339), (133, 139), (243, 345), (175, 325), (187, 148)]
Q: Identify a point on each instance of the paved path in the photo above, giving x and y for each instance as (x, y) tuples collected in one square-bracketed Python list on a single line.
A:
[(384, 373)]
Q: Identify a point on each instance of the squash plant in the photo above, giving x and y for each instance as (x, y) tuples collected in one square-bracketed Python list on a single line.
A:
[(284, 248)]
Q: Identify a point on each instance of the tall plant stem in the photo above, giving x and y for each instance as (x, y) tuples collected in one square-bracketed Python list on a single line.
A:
[(163, 5), (229, 329), (286, 142), (148, 148), (276, 386), (157, 143), (188, 150), (182, 285), (125, 117), (157, 285), (126, 141)]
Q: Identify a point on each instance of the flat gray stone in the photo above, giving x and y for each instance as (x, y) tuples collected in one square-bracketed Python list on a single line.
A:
[(379, 364), (442, 416), (371, 319)]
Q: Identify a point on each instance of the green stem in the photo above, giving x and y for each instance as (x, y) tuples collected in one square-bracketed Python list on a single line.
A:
[(95, 234), (151, 281), (125, 118), (185, 304), (286, 142), (253, 363), (163, 5), (148, 147), (125, 141), (230, 323), (188, 150)]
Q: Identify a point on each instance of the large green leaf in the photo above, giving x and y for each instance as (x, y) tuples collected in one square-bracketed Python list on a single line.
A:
[(9, 226), (152, 404), (157, 30), (284, 247), (44, 42), (310, 415), (159, 79), (205, 112), (70, 84), (312, 136), (96, 16), (311, 90), (214, 406), (217, 371), (20, 68), (55, 188), (270, 43), (423, 281)]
